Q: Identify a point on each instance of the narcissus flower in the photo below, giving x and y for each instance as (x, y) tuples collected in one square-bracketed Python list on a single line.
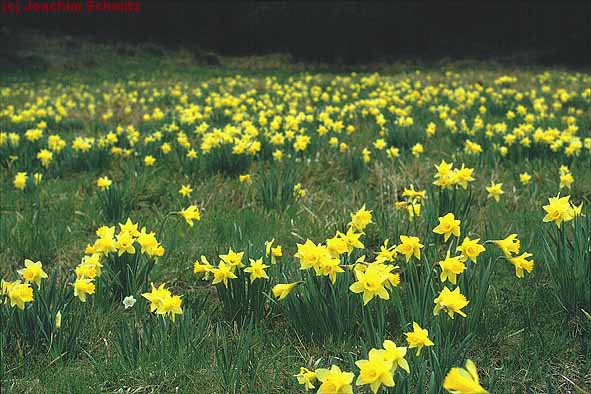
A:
[(360, 219), (233, 259), (470, 249), (58, 320), (410, 246), (451, 267), (257, 270), (18, 293), (273, 251), (450, 301), (375, 371), (463, 380), (418, 338), (149, 161), (222, 273), (334, 381), (247, 178), (33, 272), (83, 287), (306, 378), (559, 210), (282, 290), (191, 213), (103, 183), (509, 245), (495, 190), (129, 302), (45, 157), (185, 190), (371, 282), (20, 180), (202, 268), (524, 178), (448, 225), (521, 264), (396, 355)]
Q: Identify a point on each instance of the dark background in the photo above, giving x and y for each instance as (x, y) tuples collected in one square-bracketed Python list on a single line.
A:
[(346, 33)]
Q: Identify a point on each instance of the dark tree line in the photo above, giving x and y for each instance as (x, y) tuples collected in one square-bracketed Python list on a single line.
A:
[(350, 33)]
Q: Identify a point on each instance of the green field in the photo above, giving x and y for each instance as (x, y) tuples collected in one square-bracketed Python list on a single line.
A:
[(273, 150)]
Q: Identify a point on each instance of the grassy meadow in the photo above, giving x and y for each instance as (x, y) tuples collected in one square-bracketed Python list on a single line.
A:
[(150, 187)]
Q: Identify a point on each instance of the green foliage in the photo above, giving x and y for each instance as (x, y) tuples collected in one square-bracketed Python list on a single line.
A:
[(115, 203), (37, 328), (275, 187), (148, 339), (568, 259)]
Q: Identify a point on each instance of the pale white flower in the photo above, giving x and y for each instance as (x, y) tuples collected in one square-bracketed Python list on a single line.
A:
[(129, 302)]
